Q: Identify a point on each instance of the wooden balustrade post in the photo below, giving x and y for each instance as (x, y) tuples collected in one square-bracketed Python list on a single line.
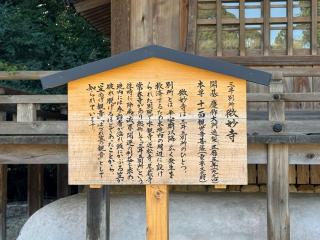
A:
[(278, 170), (27, 112)]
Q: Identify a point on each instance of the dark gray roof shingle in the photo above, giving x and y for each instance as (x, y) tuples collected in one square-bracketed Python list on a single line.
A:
[(122, 59)]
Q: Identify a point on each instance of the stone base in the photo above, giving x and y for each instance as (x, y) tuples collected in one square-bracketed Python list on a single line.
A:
[(193, 216)]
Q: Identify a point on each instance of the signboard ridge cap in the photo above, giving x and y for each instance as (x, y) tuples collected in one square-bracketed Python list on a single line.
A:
[(210, 64)]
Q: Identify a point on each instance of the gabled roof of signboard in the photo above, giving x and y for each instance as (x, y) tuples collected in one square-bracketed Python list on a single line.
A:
[(122, 59)]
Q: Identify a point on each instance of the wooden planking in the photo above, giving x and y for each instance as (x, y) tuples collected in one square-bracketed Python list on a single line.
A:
[(314, 174), (157, 215), (272, 60), (3, 200), (120, 27), (278, 170), (262, 174), (85, 5), (303, 174), (98, 213), (252, 173), (192, 27), (292, 174)]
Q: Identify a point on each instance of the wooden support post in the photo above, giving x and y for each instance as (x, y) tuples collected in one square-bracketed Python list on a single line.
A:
[(35, 188), (156, 16), (3, 187), (63, 189), (157, 205), (3, 201), (278, 170), (27, 112), (98, 213)]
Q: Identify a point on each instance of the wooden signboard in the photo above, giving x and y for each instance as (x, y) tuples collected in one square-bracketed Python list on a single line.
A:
[(158, 121)]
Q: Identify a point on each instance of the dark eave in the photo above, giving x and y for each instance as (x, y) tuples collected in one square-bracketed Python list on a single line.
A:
[(122, 59)]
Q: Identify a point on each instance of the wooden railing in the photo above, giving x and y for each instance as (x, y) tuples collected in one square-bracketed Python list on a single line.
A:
[(275, 137)]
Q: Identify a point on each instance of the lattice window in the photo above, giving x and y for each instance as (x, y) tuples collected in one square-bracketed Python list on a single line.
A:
[(257, 27)]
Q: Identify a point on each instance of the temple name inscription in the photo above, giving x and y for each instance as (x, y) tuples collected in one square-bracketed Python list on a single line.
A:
[(152, 120)]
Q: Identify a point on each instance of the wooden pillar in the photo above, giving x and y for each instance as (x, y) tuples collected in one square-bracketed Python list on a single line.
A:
[(63, 189), (3, 200), (28, 113), (137, 24), (278, 169), (98, 213), (3, 188), (98, 199)]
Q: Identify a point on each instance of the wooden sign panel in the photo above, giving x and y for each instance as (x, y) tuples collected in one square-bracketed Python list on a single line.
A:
[(157, 122)]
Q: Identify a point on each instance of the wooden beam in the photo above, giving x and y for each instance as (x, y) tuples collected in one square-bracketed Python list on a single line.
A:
[(25, 75), (29, 128), (86, 5), (278, 170), (157, 214), (261, 127), (98, 213), (8, 99)]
